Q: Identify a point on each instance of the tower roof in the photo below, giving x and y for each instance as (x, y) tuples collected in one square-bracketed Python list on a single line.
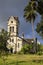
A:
[(15, 17)]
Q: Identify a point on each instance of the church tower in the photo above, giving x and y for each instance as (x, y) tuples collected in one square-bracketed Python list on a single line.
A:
[(13, 24)]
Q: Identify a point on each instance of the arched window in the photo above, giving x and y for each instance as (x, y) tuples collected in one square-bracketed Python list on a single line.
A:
[(12, 29), (12, 40)]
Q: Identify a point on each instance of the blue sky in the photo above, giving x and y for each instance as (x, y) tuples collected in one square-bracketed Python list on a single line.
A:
[(16, 8)]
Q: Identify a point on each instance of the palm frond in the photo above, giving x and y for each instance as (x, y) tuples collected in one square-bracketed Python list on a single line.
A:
[(29, 15), (39, 28), (30, 12)]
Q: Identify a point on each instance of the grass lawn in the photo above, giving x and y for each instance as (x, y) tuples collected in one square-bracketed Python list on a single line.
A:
[(16, 59)]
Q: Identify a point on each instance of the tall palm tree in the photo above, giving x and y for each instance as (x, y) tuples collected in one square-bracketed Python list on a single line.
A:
[(30, 13)]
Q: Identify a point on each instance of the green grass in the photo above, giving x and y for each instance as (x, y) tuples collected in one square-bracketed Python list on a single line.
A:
[(16, 59)]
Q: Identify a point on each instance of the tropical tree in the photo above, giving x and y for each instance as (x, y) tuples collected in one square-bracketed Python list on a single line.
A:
[(40, 7), (3, 40), (30, 13), (31, 10), (39, 28)]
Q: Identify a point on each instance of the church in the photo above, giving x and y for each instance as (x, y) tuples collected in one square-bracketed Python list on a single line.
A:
[(15, 42)]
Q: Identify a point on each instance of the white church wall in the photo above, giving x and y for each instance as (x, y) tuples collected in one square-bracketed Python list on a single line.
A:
[(19, 41)]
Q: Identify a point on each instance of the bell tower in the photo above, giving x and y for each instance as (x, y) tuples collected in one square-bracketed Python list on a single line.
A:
[(13, 24)]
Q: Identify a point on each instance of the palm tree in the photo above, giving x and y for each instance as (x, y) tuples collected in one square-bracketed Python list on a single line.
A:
[(30, 13)]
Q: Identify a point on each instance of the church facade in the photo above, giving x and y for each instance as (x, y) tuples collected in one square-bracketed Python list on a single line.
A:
[(14, 42)]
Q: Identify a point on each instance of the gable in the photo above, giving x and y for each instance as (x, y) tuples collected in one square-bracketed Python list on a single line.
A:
[(12, 20)]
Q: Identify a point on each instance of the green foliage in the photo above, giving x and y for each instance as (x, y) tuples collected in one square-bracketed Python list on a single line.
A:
[(3, 49), (39, 28), (30, 48), (3, 40), (30, 11), (40, 53), (40, 7), (25, 48), (41, 48)]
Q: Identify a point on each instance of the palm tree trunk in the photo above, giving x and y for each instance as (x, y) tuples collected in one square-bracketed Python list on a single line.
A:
[(33, 35), (33, 29)]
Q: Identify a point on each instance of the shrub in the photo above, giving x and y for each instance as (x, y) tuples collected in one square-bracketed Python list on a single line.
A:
[(40, 53), (25, 49)]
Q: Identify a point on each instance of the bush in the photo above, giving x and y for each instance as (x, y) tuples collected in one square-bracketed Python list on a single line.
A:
[(25, 49), (40, 53)]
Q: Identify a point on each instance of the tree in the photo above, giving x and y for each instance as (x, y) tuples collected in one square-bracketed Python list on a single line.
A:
[(40, 7), (30, 13), (3, 48), (3, 40), (39, 28), (27, 48)]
